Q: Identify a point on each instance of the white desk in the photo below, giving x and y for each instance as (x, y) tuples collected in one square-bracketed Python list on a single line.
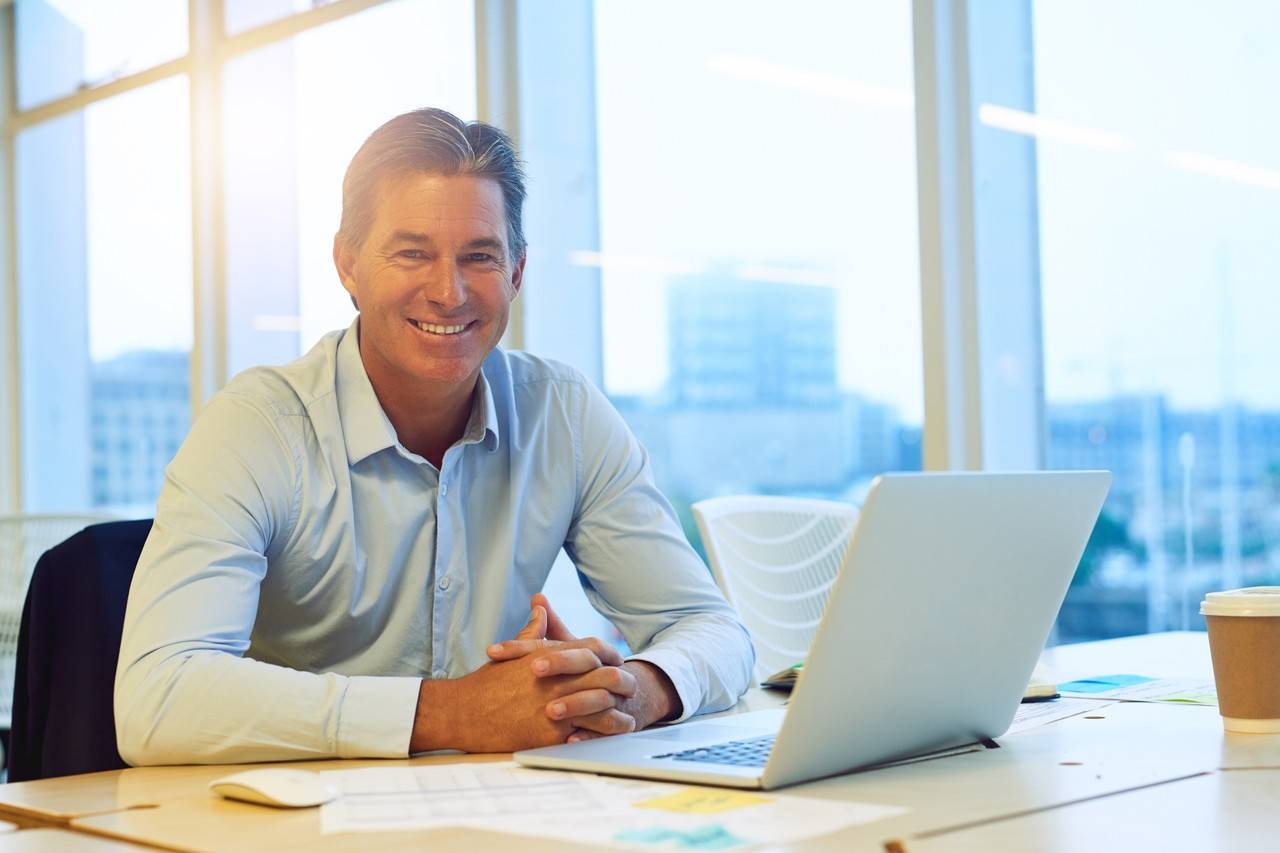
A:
[(1138, 759)]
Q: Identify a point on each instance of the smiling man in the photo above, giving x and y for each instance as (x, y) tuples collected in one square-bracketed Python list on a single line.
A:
[(348, 550)]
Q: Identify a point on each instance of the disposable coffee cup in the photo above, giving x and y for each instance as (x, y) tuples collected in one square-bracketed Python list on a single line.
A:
[(1244, 640)]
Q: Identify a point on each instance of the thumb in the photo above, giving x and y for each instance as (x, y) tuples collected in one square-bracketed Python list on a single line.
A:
[(556, 629), (536, 627)]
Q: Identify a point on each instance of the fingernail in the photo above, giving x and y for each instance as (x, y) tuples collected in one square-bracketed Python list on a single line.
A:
[(495, 648), (541, 666), (574, 738), (557, 709)]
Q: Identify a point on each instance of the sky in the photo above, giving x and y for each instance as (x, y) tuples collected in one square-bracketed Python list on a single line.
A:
[(777, 140)]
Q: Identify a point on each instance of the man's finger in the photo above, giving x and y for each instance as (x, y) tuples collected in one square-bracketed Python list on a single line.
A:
[(565, 662), (608, 722), (584, 703), (614, 679), (578, 735), (556, 629), (536, 627), (511, 649), (608, 655)]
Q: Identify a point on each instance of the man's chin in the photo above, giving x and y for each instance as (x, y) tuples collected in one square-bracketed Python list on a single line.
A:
[(446, 373)]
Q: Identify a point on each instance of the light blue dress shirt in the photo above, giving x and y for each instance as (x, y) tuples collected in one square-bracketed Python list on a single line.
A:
[(306, 570)]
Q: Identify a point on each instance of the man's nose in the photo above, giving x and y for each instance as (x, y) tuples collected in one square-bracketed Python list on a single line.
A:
[(445, 285)]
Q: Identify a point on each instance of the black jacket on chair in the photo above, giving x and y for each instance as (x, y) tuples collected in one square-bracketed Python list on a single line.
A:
[(63, 718)]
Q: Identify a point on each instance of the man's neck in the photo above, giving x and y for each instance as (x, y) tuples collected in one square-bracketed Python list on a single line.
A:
[(428, 424), (428, 417)]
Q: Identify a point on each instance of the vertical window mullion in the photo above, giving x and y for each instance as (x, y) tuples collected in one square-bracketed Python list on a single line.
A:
[(498, 100), (979, 239), (209, 341), (948, 298), (10, 390)]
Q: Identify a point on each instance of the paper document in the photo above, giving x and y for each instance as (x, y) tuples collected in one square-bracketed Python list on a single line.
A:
[(1032, 715), (595, 810), (1141, 688), (396, 798)]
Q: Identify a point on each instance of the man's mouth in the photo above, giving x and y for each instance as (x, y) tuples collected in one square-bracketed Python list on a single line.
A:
[(438, 329)]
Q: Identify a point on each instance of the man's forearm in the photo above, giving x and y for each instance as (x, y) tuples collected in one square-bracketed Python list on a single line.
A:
[(218, 708)]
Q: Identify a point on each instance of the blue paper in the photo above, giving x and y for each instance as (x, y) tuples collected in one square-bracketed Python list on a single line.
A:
[(712, 837), (1103, 683)]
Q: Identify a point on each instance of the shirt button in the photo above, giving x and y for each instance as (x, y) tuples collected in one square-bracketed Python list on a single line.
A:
[(444, 489), (444, 583)]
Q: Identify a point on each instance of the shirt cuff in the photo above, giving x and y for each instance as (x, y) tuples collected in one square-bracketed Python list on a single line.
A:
[(676, 667), (376, 719)]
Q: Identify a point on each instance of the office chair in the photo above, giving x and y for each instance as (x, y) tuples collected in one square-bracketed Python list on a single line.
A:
[(23, 538), (63, 717), (775, 559)]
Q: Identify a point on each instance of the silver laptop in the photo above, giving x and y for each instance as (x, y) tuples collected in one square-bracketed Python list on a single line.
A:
[(948, 591)]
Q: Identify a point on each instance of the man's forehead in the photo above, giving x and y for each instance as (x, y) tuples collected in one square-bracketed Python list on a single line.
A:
[(426, 197)]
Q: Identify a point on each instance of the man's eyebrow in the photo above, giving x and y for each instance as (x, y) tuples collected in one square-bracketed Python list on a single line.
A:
[(491, 243), (416, 237)]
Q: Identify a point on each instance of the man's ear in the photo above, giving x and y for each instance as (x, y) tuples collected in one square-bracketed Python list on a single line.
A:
[(517, 274), (344, 261)]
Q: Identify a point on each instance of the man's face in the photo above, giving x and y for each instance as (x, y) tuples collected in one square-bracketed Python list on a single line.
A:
[(434, 280)]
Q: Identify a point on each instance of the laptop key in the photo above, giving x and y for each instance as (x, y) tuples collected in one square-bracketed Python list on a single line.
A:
[(753, 752)]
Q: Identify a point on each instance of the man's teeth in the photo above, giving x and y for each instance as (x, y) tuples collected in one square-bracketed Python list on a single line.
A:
[(439, 330)]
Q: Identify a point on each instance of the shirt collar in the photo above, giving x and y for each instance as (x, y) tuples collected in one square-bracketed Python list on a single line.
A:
[(366, 427), (482, 427)]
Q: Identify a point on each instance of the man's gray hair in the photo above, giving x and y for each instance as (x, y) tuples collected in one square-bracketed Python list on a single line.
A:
[(431, 141)]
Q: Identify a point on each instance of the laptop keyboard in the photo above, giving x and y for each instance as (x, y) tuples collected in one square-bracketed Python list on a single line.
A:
[(752, 752)]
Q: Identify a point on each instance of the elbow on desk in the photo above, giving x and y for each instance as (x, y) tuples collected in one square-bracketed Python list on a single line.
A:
[(146, 731), (140, 738), (136, 752)]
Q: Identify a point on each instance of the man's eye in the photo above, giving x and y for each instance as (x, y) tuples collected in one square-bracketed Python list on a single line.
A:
[(481, 257), (412, 254)]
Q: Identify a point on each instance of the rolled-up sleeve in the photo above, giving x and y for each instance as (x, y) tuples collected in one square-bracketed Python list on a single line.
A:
[(640, 572), (184, 692)]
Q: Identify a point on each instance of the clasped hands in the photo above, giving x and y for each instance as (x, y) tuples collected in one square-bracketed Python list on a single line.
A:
[(546, 686)]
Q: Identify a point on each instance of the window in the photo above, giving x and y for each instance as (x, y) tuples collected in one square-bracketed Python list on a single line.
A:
[(64, 46), (724, 232), (1159, 186), (758, 243), (104, 270), (240, 15)]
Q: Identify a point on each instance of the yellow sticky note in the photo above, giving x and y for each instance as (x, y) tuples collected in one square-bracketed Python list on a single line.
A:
[(703, 801)]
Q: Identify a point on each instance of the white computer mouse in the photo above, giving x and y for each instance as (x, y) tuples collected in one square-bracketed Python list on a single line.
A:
[(270, 786)]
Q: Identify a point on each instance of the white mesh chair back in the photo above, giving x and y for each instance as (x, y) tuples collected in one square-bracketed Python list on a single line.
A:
[(775, 559), (23, 538)]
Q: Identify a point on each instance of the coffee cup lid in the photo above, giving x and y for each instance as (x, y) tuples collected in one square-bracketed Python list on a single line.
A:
[(1250, 601)]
